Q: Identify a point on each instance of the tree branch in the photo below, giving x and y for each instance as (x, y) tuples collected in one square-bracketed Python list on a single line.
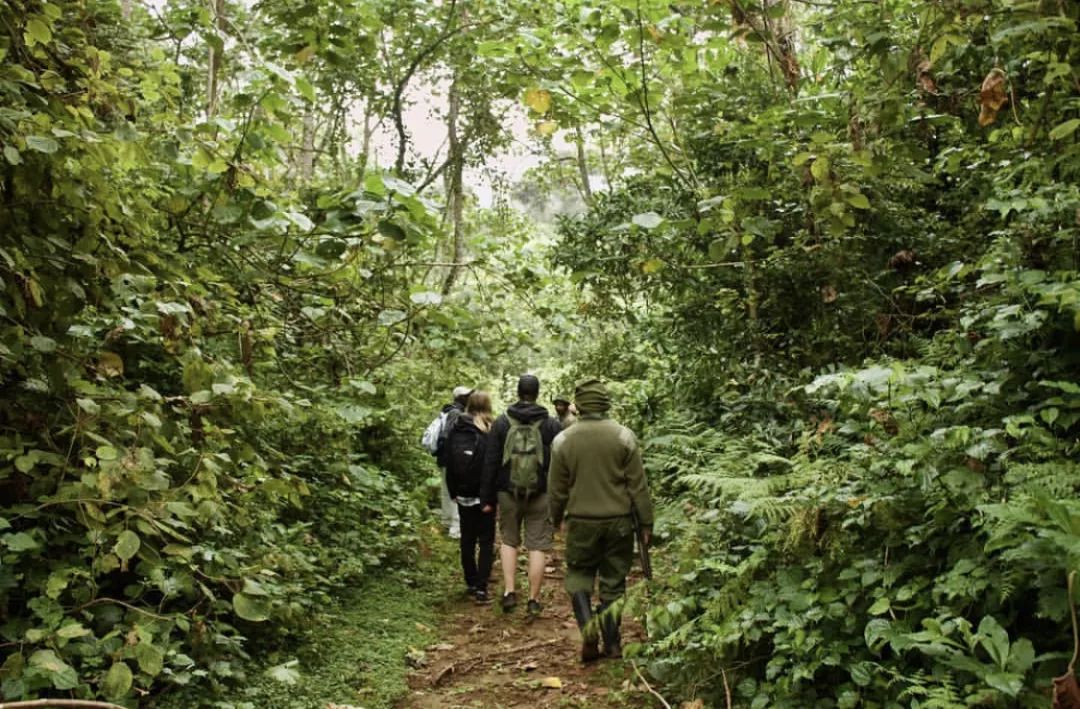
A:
[(644, 101), (399, 90)]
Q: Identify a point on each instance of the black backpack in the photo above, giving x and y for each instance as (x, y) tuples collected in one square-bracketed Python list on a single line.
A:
[(449, 423), (462, 454)]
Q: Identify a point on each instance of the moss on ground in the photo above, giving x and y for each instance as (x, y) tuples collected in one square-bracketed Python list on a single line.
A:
[(355, 653)]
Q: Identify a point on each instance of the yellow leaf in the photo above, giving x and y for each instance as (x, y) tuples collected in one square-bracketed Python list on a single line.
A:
[(304, 54), (110, 364), (652, 265), (546, 128), (551, 683), (538, 100), (654, 33)]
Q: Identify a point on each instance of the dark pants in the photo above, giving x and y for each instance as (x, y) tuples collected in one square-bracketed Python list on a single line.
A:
[(601, 548), (477, 530)]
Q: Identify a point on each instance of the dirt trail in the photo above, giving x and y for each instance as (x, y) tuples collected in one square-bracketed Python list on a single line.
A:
[(487, 659)]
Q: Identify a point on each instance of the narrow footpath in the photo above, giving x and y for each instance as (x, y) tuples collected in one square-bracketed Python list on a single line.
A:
[(484, 658)]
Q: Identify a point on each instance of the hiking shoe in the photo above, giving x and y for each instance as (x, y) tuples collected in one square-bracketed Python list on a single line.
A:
[(481, 596), (534, 609), (509, 602)]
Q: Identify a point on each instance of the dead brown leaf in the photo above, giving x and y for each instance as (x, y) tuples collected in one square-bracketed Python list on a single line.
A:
[(924, 78), (992, 96), (885, 418), (828, 294)]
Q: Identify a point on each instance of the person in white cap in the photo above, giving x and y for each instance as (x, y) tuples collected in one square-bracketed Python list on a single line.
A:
[(434, 440)]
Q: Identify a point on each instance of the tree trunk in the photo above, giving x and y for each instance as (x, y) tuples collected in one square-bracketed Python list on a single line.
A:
[(583, 166), (365, 139), (752, 301), (214, 58), (455, 188), (604, 163), (306, 163)]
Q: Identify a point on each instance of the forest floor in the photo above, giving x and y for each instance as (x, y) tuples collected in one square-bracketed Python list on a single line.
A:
[(487, 659), (412, 640)]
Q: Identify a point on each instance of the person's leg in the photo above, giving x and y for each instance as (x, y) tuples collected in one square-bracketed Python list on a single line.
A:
[(449, 511), (581, 566), (615, 562), (470, 530), (508, 556), (537, 563), (538, 540), (510, 529), (485, 530)]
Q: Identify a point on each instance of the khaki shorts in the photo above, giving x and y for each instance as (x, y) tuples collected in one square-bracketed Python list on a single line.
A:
[(534, 513)]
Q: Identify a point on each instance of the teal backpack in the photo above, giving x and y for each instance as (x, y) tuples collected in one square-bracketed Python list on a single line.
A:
[(524, 451)]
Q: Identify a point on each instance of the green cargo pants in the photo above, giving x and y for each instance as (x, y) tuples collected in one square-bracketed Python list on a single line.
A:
[(599, 547)]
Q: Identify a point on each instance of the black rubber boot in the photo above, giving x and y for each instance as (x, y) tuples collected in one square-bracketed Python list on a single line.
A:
[(609, 627), (590, 644)]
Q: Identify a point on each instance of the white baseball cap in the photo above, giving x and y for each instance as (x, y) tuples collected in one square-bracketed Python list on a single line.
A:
[(462, 391)]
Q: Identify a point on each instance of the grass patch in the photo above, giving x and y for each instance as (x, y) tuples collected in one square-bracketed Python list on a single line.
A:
[(354, 653)]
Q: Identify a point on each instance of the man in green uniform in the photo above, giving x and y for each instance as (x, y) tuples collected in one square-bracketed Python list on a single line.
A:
[(563, 412), (597, 482)]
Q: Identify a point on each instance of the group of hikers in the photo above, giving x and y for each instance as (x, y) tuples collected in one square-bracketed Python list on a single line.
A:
[(578, 472)]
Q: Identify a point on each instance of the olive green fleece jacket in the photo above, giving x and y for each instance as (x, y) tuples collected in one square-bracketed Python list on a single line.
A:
[(596, 472)]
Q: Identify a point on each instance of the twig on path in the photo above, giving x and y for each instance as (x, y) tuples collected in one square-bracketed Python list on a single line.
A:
[(649, 686), (443, 673), (62, 703), (472, 663)]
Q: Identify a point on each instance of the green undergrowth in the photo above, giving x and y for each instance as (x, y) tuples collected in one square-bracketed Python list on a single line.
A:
[(355, 652)]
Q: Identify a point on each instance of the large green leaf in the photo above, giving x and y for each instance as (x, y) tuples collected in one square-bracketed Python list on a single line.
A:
[(150, 658), (61, 674), (127, 544), (648, 220), (117, 682), (251, 608), (42, 144)]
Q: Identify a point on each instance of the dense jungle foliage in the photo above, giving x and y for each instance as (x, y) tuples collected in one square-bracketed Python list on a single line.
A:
[(827, 253)]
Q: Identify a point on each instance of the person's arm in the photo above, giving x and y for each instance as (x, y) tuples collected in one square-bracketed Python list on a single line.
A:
[(548, 430), (637, 485), (451, 488), (558, 484), (492, 461)]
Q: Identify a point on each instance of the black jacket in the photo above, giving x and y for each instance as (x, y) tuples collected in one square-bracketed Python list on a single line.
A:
[(496, 477), (463, 479)]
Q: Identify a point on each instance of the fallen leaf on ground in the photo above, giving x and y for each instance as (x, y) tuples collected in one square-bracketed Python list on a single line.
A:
[(423, 628), (530, 666), (441, 647), (551, 683), (415, 658)]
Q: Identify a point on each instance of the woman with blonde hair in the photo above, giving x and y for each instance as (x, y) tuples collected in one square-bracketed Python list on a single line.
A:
[(466, 446)]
